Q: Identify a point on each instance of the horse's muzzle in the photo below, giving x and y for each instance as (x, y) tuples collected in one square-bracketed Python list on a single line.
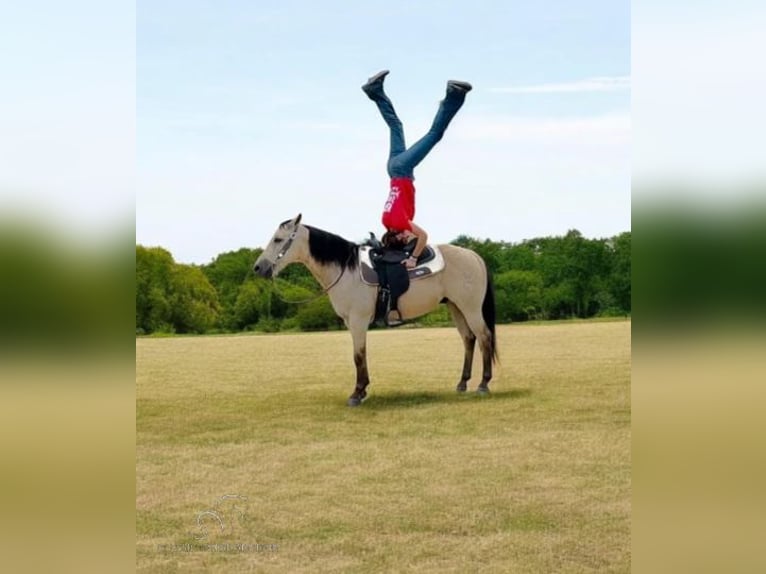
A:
[(264, 269)]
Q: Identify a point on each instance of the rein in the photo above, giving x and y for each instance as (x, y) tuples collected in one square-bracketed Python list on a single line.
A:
[(324, 291)]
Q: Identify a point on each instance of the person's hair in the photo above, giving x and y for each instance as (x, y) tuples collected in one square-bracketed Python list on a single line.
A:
[(391, 240)]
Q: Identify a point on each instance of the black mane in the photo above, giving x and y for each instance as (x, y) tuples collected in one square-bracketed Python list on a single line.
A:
[(330, 248)]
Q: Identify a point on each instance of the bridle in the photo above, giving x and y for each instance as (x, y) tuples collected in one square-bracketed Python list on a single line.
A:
[(288, 244), (324, 291)]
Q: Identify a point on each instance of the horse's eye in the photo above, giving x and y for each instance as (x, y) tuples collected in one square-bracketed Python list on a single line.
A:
[(277, 240)]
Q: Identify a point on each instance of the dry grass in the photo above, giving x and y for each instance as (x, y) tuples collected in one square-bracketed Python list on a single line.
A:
[(535, 478)]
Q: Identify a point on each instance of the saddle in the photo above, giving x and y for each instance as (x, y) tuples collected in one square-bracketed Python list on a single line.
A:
[(382, 267)]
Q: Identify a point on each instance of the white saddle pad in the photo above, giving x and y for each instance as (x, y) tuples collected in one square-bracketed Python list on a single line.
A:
[(370, 277)]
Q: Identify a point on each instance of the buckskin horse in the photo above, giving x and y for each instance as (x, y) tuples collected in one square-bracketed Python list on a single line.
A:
[(464, 284)]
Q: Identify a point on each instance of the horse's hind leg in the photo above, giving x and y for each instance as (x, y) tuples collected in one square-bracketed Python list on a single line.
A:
[(469, 342), (479, 327), (486, 372)]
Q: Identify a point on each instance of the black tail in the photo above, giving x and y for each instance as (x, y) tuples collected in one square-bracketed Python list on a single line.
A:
[(488, 312)]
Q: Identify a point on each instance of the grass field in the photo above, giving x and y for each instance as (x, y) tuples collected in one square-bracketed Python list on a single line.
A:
[(534, 478)]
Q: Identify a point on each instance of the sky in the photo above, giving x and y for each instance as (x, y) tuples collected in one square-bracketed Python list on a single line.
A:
[(209, 123), (249, 113)]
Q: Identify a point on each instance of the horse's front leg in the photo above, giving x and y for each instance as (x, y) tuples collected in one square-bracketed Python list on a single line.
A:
[(358, 330)]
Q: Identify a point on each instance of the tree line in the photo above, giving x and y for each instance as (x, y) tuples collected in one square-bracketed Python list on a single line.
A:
[(537, 279)]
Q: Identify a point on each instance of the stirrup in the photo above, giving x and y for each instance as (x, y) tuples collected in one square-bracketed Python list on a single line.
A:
[(394, 322)]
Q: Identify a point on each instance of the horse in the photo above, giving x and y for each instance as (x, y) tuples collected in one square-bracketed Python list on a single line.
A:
[(465, 285)]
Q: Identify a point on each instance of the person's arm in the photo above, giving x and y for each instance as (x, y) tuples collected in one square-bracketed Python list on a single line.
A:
[(420, 244)]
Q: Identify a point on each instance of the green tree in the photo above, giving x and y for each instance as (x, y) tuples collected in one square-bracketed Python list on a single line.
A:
[(299, 275), (586, 265), (540, 278), (490, 251), (518, 295), (153, 272), (558, 301), (619, 282), (522, 257), (193, 300), (252, 304), (318, 315), (287, 299), (227, 273)]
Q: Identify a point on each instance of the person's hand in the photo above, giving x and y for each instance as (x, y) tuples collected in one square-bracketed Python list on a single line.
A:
[(410, 262)]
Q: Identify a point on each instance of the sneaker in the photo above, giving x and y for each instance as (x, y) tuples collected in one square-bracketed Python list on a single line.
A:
[(375, 83), (458, 85)]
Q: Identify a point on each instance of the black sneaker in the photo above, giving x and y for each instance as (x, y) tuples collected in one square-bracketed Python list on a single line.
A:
[(458, 85), (375, 83)]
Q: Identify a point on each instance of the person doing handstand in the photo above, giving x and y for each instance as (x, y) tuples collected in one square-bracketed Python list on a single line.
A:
[(399, 209)]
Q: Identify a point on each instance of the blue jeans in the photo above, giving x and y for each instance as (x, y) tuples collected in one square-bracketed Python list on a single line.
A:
[(402, 160)]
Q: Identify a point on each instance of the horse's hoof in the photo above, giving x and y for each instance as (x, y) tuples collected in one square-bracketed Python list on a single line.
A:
[(461, 387), (482, 391), (354, 401)]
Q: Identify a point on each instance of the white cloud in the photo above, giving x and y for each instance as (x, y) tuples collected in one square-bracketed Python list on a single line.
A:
[(597, 84)]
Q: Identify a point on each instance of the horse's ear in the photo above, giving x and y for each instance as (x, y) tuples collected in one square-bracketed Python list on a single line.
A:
[(297, 219)]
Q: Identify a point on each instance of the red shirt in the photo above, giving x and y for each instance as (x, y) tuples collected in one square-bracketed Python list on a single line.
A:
[(399, 209)]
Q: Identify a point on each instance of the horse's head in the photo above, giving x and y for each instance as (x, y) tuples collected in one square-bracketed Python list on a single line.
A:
[(280, 251)]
